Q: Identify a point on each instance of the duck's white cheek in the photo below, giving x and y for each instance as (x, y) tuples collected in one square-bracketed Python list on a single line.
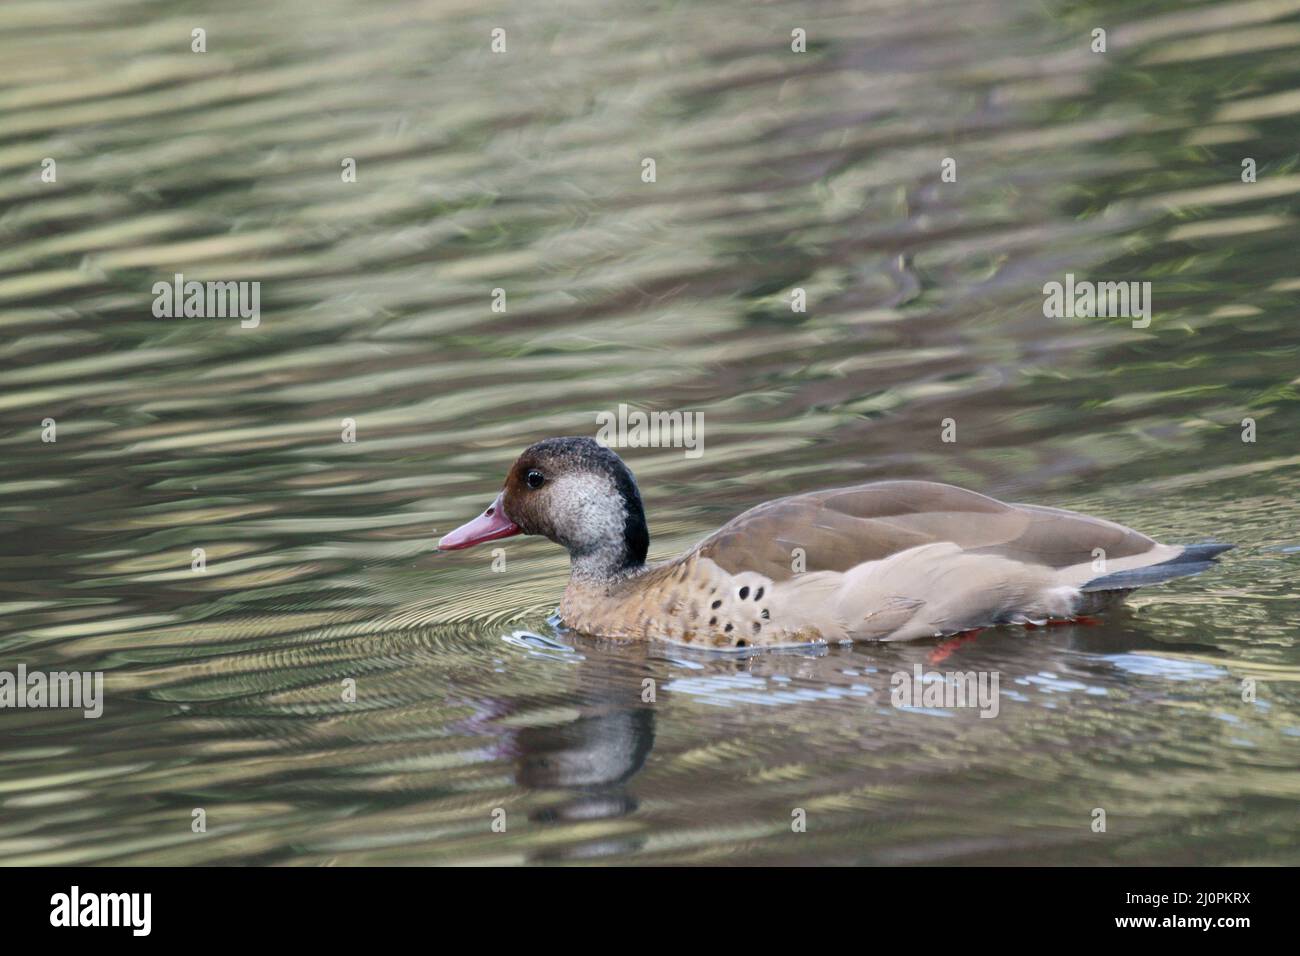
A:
[(587, 512)]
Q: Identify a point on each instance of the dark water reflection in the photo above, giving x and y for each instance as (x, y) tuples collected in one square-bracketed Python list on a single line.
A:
[(775, 171)]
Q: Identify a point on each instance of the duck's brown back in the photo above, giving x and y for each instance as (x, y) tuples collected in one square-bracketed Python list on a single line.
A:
[(839, 529)]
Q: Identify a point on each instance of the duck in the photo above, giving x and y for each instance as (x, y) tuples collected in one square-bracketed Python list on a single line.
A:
[(892, 560)]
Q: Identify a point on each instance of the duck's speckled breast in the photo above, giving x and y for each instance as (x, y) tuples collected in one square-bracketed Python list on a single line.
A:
[(689, 601)]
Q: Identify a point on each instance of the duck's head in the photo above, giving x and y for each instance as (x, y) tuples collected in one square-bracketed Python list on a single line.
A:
[(576, 492)]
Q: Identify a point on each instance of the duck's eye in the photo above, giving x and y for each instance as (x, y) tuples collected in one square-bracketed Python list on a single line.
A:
[(535, 479)]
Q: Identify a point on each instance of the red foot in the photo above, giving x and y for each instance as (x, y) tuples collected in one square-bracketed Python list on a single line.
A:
[(945, 649)]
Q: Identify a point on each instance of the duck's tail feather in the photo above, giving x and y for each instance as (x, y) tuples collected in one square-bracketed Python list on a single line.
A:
[(1193, 559)]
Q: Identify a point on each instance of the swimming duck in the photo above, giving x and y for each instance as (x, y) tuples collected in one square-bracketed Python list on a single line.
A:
[(884, 561)]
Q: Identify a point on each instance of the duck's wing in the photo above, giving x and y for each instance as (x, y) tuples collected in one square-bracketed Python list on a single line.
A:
[(838, 530)]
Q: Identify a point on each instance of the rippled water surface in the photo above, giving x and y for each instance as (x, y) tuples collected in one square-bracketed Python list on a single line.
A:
[(522, 171)]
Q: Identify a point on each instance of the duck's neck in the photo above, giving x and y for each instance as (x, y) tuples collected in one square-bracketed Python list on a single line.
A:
[(603, 567)]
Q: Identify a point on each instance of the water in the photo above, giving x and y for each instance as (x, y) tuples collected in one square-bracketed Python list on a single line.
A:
[(522, 171)]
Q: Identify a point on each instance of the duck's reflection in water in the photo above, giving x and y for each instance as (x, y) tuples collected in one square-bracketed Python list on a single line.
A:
[(592, 758), (588, 762)]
